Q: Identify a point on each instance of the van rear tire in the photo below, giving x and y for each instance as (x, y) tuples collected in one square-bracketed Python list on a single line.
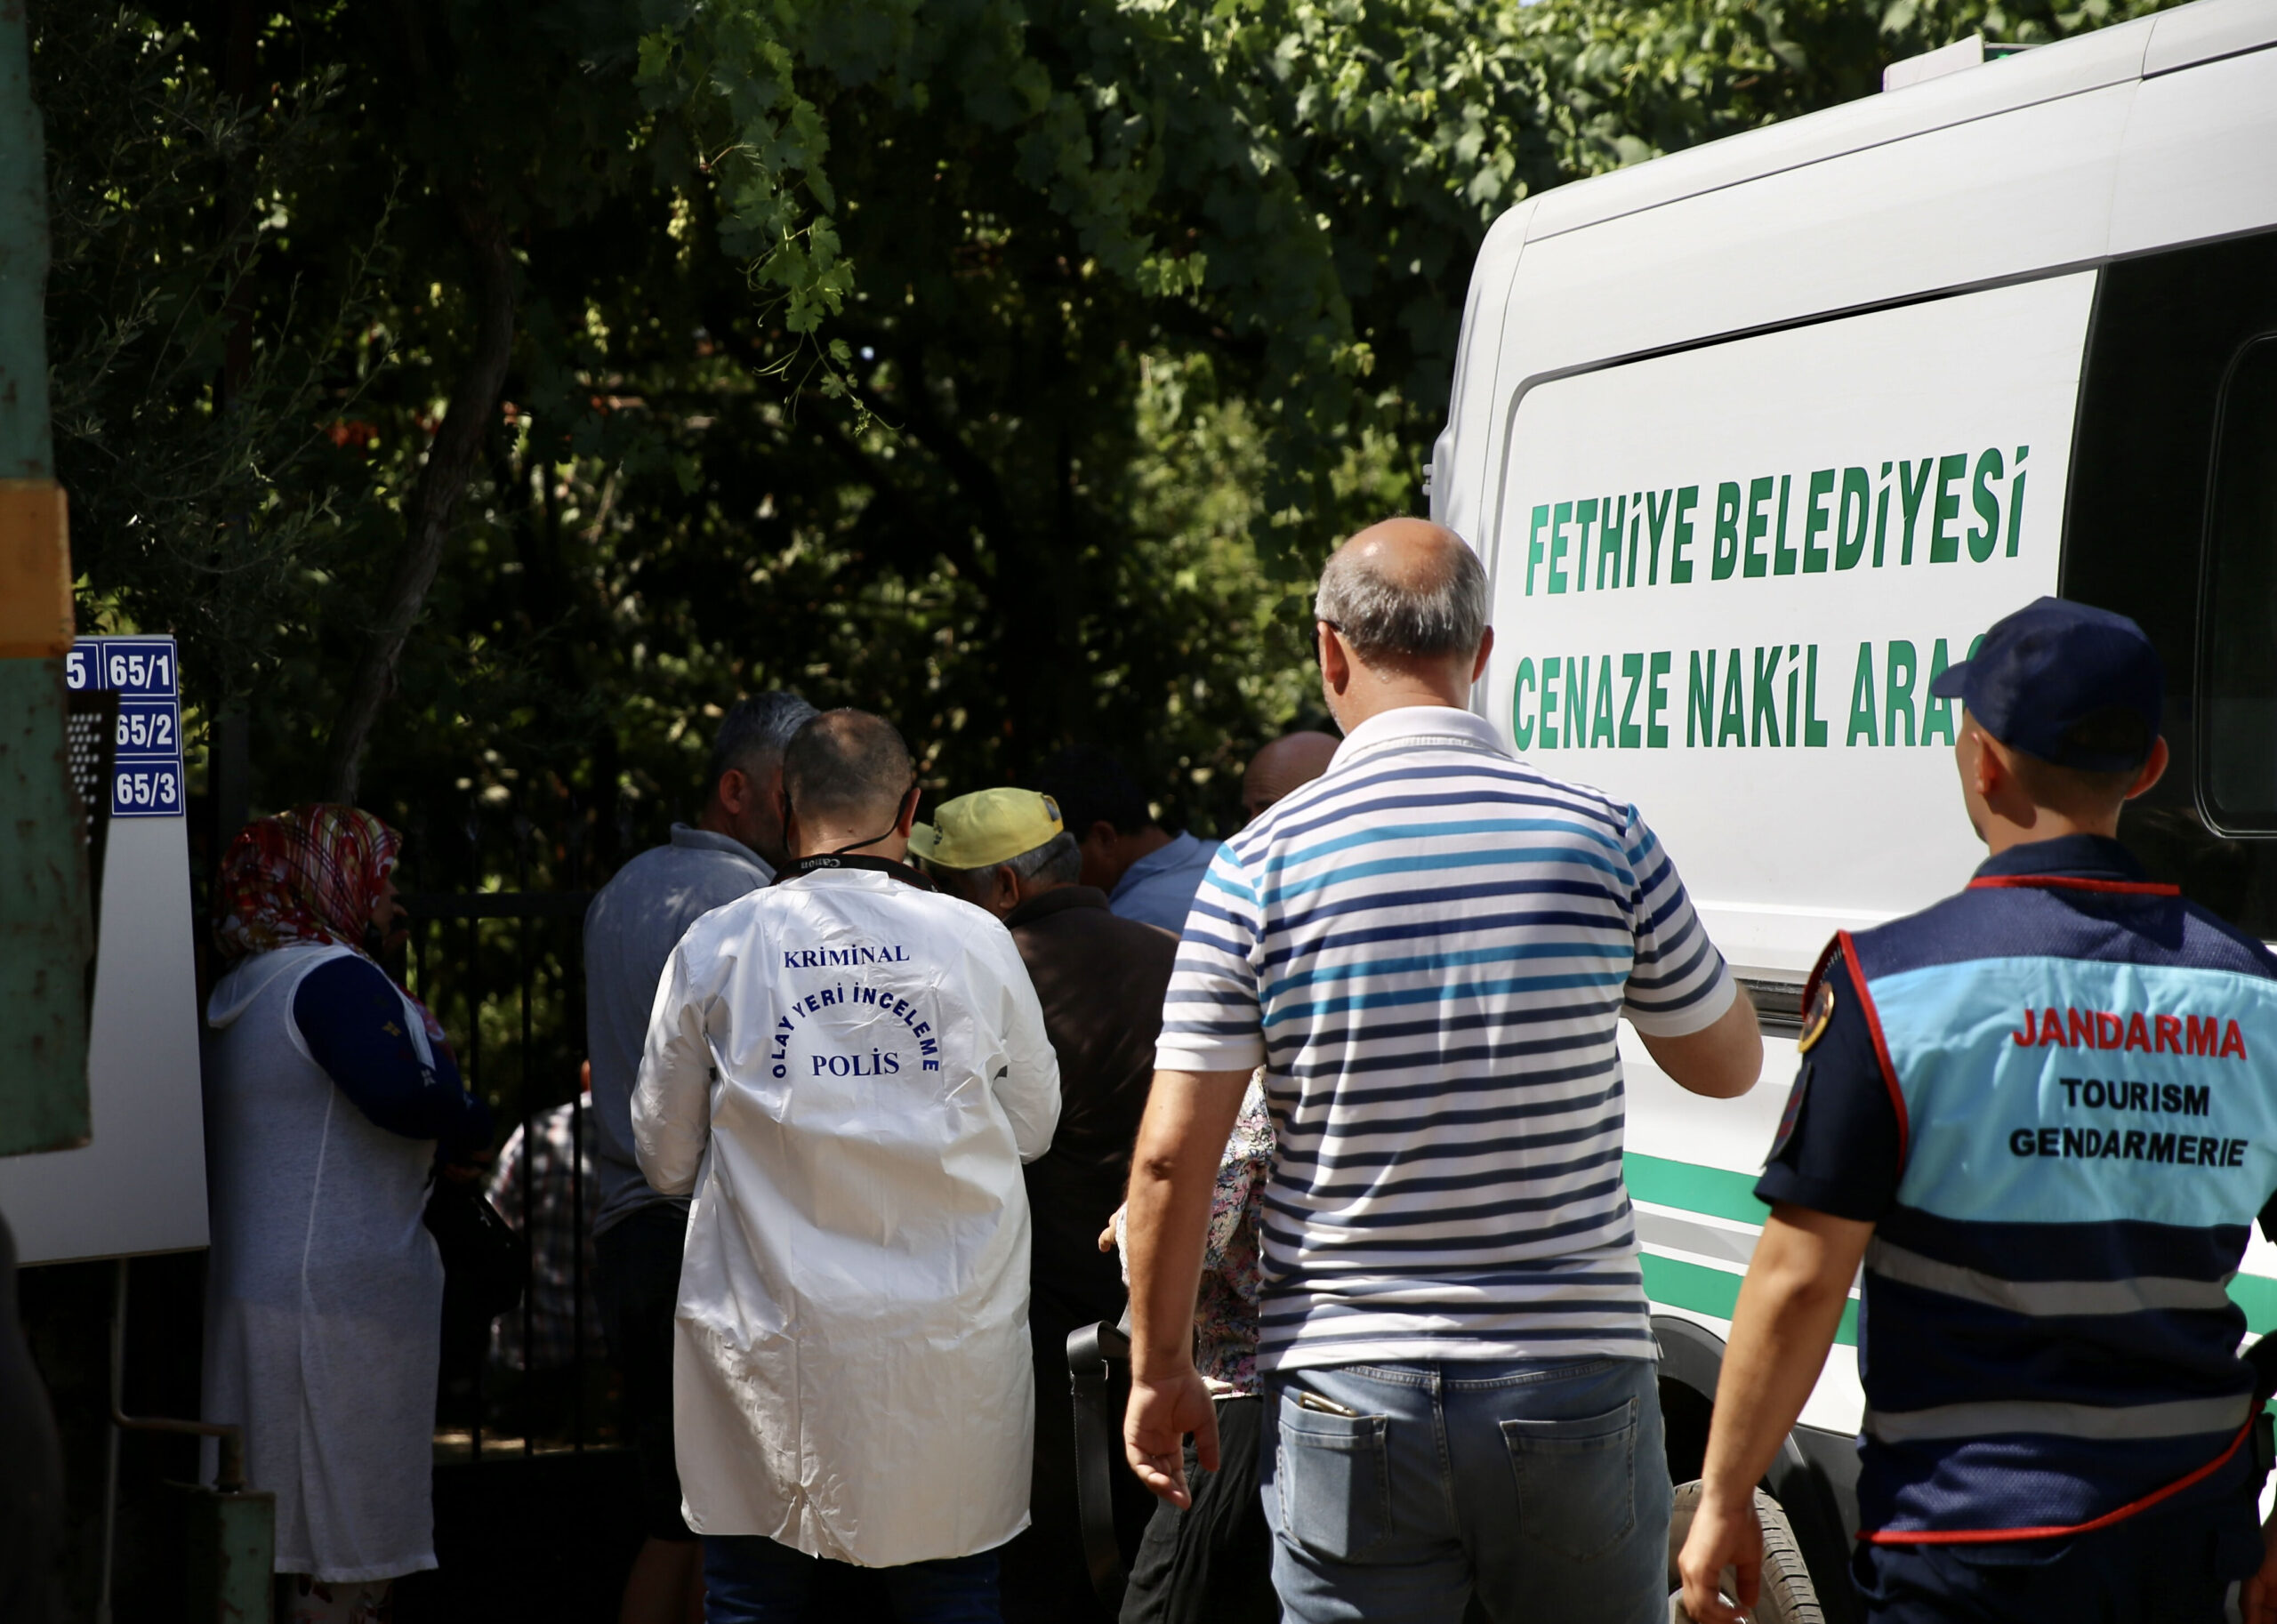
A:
[(1787, 1597)]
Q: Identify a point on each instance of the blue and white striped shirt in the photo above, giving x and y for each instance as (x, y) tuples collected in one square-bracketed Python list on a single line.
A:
[(1430, 949)]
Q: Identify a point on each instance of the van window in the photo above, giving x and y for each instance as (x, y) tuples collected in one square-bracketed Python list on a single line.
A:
[(2240, 618), (2170, 330)]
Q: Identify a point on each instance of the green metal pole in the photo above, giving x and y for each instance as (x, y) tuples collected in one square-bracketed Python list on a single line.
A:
[(47, 932)]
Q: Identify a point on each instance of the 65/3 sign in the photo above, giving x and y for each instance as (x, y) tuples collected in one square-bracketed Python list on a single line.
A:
[(139, 791)]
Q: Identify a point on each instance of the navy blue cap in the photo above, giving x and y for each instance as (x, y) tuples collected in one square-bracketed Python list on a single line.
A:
[(2053, 665)]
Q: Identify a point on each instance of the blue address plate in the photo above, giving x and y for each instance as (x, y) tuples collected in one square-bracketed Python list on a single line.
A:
[(140, 665), (148, 727), (145, 673), (140, 788)]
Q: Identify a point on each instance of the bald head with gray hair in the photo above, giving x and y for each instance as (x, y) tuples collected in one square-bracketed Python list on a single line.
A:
[(1404, 589)]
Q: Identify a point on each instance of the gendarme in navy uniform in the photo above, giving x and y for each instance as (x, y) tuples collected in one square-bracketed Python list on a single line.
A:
[(2054, 1098)]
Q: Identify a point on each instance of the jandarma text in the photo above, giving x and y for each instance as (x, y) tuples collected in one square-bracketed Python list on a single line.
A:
[(2157, 1034)]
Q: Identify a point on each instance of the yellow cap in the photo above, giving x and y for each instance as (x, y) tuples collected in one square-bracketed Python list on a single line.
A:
[(985, 828)]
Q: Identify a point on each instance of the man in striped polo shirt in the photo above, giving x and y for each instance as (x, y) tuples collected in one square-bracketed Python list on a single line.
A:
[(1428, 949)]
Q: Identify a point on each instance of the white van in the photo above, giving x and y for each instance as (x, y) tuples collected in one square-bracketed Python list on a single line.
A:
[(1757, 437)]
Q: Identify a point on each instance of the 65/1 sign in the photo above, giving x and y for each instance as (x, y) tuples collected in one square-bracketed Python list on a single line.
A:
[(134, 668), (146, 792), (140, 665)]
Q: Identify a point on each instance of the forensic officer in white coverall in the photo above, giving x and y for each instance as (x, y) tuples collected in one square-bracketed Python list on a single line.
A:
[(846, 1071)]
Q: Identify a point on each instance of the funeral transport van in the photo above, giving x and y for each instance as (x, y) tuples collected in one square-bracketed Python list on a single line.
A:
[(1756, 439)]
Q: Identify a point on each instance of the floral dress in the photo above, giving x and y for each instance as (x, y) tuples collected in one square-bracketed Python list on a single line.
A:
[(1225, 1313)]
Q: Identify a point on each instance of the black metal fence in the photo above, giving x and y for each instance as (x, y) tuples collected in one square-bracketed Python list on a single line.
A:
[(503, 972)]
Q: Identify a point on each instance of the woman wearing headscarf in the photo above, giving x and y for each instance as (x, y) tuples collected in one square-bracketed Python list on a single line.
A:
[(331, 1094)]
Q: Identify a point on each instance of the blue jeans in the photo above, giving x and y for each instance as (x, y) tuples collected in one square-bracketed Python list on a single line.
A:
[(752, 1581), (1543, 1486)]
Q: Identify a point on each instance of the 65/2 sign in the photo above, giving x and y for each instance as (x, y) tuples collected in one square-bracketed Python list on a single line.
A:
[(148, 727)]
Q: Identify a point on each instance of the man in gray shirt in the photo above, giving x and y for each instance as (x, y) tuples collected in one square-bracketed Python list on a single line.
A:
[(1148, 873), (631, 929)]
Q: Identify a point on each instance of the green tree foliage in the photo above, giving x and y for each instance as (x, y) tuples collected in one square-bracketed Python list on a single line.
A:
[(189, 391), (1005, 365)]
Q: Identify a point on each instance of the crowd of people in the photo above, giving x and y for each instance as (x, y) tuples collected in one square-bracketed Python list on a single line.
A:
[(335, 1178), (884, 1105)]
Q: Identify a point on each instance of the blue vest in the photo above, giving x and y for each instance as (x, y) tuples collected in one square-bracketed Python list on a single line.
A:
[(2084, 1072)]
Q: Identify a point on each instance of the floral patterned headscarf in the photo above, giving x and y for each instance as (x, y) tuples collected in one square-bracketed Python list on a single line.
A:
[(309, 875)]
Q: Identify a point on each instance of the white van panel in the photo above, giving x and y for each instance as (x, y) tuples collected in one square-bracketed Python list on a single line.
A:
[(1458, 462), (1588, 353), (2003, 196), (2208, 29), (1952, 389), (1668, 1121), (2107, 56), (2197, 162), (1696, 1245)]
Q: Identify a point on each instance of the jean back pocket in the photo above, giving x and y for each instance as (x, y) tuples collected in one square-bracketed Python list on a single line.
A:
[(1333, 1476), (1577, 1480)]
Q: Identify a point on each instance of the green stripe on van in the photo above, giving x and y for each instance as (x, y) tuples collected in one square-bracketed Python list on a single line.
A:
[(1719, 1193), (1713, 1292), (1710, 1190), (2259, 1298)]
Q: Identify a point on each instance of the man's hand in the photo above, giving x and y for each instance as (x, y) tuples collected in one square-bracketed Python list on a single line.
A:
[(1166, 1218), (1154, 1428), (1724, 1535), (2259, 1599), (1790, 1304)]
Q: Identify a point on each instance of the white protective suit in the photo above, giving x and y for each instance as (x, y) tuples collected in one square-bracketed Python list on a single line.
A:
[(846, 1073)]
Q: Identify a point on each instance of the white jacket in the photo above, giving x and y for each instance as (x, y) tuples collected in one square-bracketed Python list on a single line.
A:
[(846, 1073)]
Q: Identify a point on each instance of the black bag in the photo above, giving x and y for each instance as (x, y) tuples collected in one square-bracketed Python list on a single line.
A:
[(1099, 1365), (484, 1261)]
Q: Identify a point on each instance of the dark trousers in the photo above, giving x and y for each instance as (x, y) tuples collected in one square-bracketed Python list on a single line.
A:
[(752, 1581), (1211, 1563), (2162, 1567), (636, 1283)]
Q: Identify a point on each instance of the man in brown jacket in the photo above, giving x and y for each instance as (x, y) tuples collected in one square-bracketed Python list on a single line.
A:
[(1100, 979)]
